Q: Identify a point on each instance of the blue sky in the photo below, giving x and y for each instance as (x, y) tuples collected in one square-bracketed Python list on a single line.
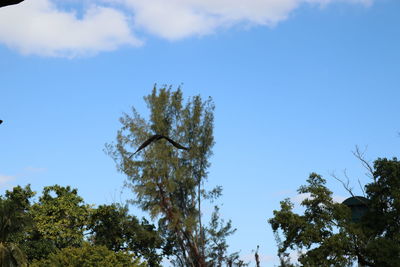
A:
[(297, 85)]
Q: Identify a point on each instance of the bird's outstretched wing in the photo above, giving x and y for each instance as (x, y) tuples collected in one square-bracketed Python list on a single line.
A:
[(175, 144), (158, 137), (9, 2), (148, 142), (1, 121)]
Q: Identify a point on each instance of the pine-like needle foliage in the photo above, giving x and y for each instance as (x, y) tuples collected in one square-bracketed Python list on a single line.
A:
[(167, 182)]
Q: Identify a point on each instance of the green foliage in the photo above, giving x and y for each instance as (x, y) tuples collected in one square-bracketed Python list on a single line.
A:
[(23, 231), (315, 230), (35, 245), (88, 256), (107, 224), (61, 216), (14, 219), (167, 182), (325, 234), (112, 227), (382, 222), (14, 212), (58, 220), (11, 255), (216, 238)]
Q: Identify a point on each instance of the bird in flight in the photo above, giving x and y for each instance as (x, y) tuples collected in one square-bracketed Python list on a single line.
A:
[(9, 2), (1, 121), (157, 137)]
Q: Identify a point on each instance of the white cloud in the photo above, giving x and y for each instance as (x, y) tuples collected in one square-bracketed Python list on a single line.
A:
[(5, 179), (176, 19), (297, 199), (34, 170), (338, 199), (38, 27), (325, 2)]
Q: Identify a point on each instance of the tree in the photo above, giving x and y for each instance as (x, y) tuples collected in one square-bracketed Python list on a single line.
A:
[(215, 235), (167, 182), (59, 221), (112, 227), (61, 218), (325, 234), (14, 219), (382, 223), (89, 256)]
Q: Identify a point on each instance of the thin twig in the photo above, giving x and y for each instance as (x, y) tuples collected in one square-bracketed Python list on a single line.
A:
[(361, 187), (361, 156), (346, 185)]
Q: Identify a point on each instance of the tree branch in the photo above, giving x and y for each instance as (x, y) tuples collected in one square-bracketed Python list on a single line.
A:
[(346, 185), (361, 156)]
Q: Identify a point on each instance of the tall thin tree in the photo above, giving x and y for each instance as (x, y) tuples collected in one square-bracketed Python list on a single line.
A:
[(168, 182)]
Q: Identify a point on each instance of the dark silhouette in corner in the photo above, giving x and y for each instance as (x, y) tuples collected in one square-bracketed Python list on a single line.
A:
[(157, 137), (9, 2)]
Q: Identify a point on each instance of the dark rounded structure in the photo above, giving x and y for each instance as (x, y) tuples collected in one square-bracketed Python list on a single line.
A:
[(358, 206)]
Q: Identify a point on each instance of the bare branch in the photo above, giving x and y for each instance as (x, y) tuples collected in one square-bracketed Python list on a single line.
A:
[(361, 156), (346, 185), (361, 187)]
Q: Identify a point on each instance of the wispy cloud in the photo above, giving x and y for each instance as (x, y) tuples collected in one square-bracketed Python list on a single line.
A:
[(176, 19), (34, 170), (5, 179), (297, 199), (338, 198), (8, 181), (40, 27)]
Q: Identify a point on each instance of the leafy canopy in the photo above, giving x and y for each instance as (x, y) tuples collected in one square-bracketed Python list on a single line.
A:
[(60, 219), (325, 234), (88, 256)]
